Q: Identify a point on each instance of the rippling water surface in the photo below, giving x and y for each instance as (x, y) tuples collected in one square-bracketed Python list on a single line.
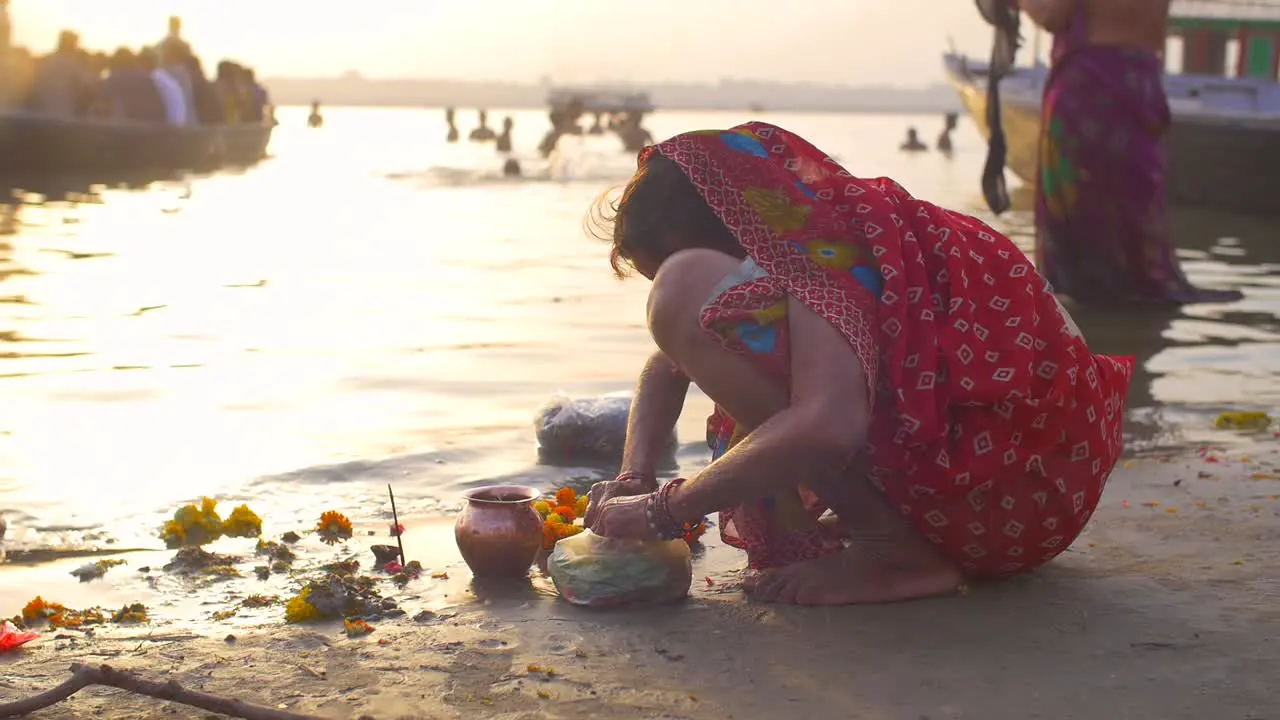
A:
[(371, 305)]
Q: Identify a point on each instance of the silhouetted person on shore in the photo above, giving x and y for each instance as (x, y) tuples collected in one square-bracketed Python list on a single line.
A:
[(483, 133), (511, 168), (315, 119), (449, 117), (912, 143), (504, 140)]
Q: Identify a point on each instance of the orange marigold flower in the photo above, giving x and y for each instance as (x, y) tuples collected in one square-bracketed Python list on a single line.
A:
[(567, 513), (566, 496), (38, 609), (566, 531), (548, 537), (333, 526)]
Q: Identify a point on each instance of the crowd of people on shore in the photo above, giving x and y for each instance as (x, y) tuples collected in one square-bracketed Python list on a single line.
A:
[(166, 83)]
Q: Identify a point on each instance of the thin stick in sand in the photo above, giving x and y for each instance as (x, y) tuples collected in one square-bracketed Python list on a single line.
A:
[(395, 523), (83, 676)]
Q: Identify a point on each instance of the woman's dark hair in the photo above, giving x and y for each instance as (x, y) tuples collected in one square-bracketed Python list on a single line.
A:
[(658, 213)]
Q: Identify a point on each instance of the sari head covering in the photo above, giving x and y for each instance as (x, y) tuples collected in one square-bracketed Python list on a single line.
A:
[(993, 426)]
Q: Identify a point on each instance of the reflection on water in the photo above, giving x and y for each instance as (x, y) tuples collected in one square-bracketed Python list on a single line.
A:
[(372, 305)]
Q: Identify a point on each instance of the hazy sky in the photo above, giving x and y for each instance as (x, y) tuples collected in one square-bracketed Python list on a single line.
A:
[(894, 42)]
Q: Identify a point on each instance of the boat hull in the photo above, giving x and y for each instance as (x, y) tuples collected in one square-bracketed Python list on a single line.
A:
[(34, 145), (1227, 161)]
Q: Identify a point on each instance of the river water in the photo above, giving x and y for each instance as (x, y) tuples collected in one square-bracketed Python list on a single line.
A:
[(372, 305)]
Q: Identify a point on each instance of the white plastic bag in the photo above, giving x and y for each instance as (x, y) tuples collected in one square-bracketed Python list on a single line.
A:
[(584, 430), (597, 571)]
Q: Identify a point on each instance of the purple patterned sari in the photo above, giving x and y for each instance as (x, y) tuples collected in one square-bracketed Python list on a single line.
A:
[(1102, 230)]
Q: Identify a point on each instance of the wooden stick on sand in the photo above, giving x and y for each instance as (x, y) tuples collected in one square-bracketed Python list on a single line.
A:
[(84, 675)]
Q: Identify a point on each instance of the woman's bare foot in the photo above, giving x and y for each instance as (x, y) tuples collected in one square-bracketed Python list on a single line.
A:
[(867, 572)]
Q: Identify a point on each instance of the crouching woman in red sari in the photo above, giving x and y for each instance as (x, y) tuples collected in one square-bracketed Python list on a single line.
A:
[(899, 365)]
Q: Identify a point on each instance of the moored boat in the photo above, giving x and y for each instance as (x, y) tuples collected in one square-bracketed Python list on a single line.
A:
[(32, 144), (1224, 144)]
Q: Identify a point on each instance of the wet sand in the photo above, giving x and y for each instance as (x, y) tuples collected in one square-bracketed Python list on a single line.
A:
[(1166, 608)]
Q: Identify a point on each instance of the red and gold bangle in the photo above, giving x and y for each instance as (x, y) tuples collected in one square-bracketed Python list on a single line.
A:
[(658, 512)]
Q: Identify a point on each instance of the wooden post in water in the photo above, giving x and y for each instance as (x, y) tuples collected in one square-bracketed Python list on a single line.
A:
[(395, 524)]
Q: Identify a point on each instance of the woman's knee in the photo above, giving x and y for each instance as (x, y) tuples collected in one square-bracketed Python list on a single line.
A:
[(681, 288), (735, 382)]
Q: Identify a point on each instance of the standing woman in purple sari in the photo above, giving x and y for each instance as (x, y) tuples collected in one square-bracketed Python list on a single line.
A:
[(1102, 228)]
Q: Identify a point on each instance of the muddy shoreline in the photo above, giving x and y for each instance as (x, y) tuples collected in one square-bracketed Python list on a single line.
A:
[(1164, 609)]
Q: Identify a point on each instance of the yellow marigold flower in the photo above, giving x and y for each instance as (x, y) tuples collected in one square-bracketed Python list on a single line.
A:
[(581, 506), (173, 534), (299, 610), (554, 519), (1243, 420), (566, 531), (566, 496), (242, 522), (776, 210), (193, 525), (333, 526), (543, 507)]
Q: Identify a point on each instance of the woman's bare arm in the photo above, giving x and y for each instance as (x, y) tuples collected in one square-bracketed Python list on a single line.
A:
[(1052, 15), (655, 409)]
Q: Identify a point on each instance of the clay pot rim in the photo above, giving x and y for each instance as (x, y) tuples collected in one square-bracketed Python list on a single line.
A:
[(531, 494)]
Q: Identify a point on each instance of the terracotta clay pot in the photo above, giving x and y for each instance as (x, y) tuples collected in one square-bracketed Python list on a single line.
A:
[(498, 532)]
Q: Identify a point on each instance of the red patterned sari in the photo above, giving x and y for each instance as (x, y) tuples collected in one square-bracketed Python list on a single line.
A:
[(994, 428)]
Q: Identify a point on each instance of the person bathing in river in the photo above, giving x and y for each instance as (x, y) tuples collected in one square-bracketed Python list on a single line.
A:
[(870, 354), (483, 133), (315, 120), (1102, 225), (504, 139), (912, 143)]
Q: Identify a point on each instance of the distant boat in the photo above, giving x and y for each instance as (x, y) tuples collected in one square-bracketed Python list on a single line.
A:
[(756, 108), (586, 100), (1224, 145)]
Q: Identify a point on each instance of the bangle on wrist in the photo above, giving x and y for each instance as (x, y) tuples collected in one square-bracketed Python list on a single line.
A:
[(646, 479), (658, 512)]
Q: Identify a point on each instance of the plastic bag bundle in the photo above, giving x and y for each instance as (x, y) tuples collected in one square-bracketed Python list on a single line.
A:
[(596, 571), (587, 430)]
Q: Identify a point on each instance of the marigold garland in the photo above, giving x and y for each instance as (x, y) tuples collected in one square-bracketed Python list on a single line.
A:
[(562, 516), (59, 616)]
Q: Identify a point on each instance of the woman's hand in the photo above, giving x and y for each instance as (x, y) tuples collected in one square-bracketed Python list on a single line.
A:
[(624, 517), (603, 492)]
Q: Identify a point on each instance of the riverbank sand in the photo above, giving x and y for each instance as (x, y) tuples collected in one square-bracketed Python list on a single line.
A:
[(1168, 607)]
